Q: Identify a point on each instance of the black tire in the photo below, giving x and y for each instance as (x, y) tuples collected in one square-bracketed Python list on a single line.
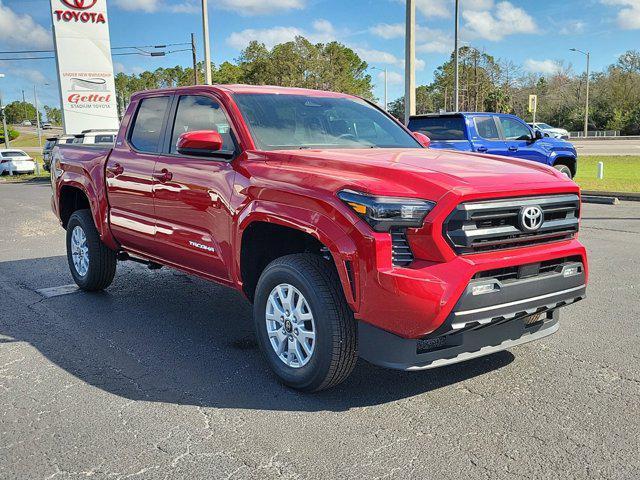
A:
[(562, 168), (102, 260), (336, 348)]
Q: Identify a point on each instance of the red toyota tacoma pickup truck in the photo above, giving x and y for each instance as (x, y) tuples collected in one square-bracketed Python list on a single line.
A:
[(347, 234)]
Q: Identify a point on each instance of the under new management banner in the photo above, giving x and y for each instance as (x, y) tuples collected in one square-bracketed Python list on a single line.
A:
[(85, 66)]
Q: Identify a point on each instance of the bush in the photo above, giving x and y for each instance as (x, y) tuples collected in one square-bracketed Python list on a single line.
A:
[(13, 134)]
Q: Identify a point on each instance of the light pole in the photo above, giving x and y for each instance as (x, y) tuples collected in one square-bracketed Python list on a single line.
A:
[(586, 111), (456, 86), (410, 63), (386, 86), (38, 123), (206, 45), (4, 120)]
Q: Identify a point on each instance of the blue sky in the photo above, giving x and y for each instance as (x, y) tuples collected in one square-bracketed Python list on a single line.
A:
[(534, 34)]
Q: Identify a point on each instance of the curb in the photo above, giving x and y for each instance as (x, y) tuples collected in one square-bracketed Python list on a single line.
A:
[(632, 197), (600, 200)]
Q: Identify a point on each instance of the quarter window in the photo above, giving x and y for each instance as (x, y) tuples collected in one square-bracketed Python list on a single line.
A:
[(201, 113), (147, 128), (487, 128)]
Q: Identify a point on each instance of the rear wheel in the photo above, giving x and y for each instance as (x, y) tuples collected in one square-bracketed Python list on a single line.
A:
[(92, 264), (304, 326)]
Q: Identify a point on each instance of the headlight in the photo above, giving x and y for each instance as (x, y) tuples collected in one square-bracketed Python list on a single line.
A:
[(383, 213)]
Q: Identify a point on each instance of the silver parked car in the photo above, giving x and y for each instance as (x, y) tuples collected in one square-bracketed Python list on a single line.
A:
[(16, 161), (549, 131)]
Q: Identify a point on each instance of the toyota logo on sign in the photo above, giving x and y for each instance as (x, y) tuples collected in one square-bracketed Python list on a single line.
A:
[(80, 4), (531, 218)]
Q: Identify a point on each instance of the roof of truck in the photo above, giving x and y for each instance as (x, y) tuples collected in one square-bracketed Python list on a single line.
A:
[(255, 89)]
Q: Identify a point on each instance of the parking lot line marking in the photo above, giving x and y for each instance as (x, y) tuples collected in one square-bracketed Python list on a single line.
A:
[(58, 291)]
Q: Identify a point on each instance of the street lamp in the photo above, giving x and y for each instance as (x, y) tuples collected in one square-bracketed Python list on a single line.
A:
[(586, 112), (410, 62), (456, 86), (386, 86), (206, 45)]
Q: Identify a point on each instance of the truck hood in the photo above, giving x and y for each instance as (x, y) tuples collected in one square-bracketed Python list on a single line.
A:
[(421, 173)]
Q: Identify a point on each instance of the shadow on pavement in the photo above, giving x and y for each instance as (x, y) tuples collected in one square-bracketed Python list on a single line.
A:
[(163, 336)]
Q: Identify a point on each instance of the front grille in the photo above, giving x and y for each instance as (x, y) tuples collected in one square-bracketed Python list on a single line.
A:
[(476, 227), (400, 250)]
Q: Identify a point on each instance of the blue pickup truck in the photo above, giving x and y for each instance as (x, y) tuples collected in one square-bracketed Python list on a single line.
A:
[(496, 134)]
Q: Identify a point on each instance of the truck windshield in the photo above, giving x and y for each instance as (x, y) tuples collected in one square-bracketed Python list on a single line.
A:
[(287, 122), (439, 128)]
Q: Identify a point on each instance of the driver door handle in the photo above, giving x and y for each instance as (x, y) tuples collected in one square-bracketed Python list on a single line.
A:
[(482, 149), (116, 169), (163, 175), (513, 149)]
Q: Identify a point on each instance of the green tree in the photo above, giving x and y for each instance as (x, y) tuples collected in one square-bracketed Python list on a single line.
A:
[(53, 114), (17, 112)]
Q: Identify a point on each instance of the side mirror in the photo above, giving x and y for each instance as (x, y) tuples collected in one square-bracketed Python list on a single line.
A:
[(538, 135), (201, 143), (423, 139)]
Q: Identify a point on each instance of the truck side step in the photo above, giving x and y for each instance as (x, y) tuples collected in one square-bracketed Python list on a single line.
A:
[(125, 257)]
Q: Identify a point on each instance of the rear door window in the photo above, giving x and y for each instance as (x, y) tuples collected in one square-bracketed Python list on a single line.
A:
[(487, 128), (147, 129), (440, 128)]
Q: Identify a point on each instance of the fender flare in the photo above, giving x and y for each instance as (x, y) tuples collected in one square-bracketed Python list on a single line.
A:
[(322, 228), (99, 209)]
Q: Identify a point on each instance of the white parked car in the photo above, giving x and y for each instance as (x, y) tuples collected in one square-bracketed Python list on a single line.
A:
[(16, 161), (549, 131)]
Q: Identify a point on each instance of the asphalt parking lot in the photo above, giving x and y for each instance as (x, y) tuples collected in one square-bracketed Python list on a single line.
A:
[(159, 377)]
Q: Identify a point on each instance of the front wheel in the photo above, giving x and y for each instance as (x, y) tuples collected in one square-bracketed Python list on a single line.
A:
[(304, 326), (92, 263), (563, 169)]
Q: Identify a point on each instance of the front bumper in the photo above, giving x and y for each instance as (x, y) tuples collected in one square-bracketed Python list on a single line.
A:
[(515, 311)]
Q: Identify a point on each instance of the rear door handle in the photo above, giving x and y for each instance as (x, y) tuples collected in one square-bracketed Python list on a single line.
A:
[(163, 175), (482, 149), (513, 149), (116, 169)]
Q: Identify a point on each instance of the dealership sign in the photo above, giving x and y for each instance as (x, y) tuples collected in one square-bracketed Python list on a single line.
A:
[(85, 67)]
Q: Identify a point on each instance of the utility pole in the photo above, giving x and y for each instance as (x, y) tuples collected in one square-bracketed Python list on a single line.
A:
[(410, 63), (386, 89), (456, 88), (4, 120), (586, 111), (206, 44), (195, 59), (24, 107), (35, 97)]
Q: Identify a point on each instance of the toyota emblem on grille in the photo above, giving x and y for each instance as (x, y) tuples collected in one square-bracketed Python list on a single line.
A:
[(531, 218)]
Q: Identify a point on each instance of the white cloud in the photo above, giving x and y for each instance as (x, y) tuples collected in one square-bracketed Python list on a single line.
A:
[(629, 15), (545, 67), (378, 56), (572, 27), (393, 78), (243, 7), (388, 31), (18, 29), (144, 5), (323, 31), (259, 7), (495, 24)]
